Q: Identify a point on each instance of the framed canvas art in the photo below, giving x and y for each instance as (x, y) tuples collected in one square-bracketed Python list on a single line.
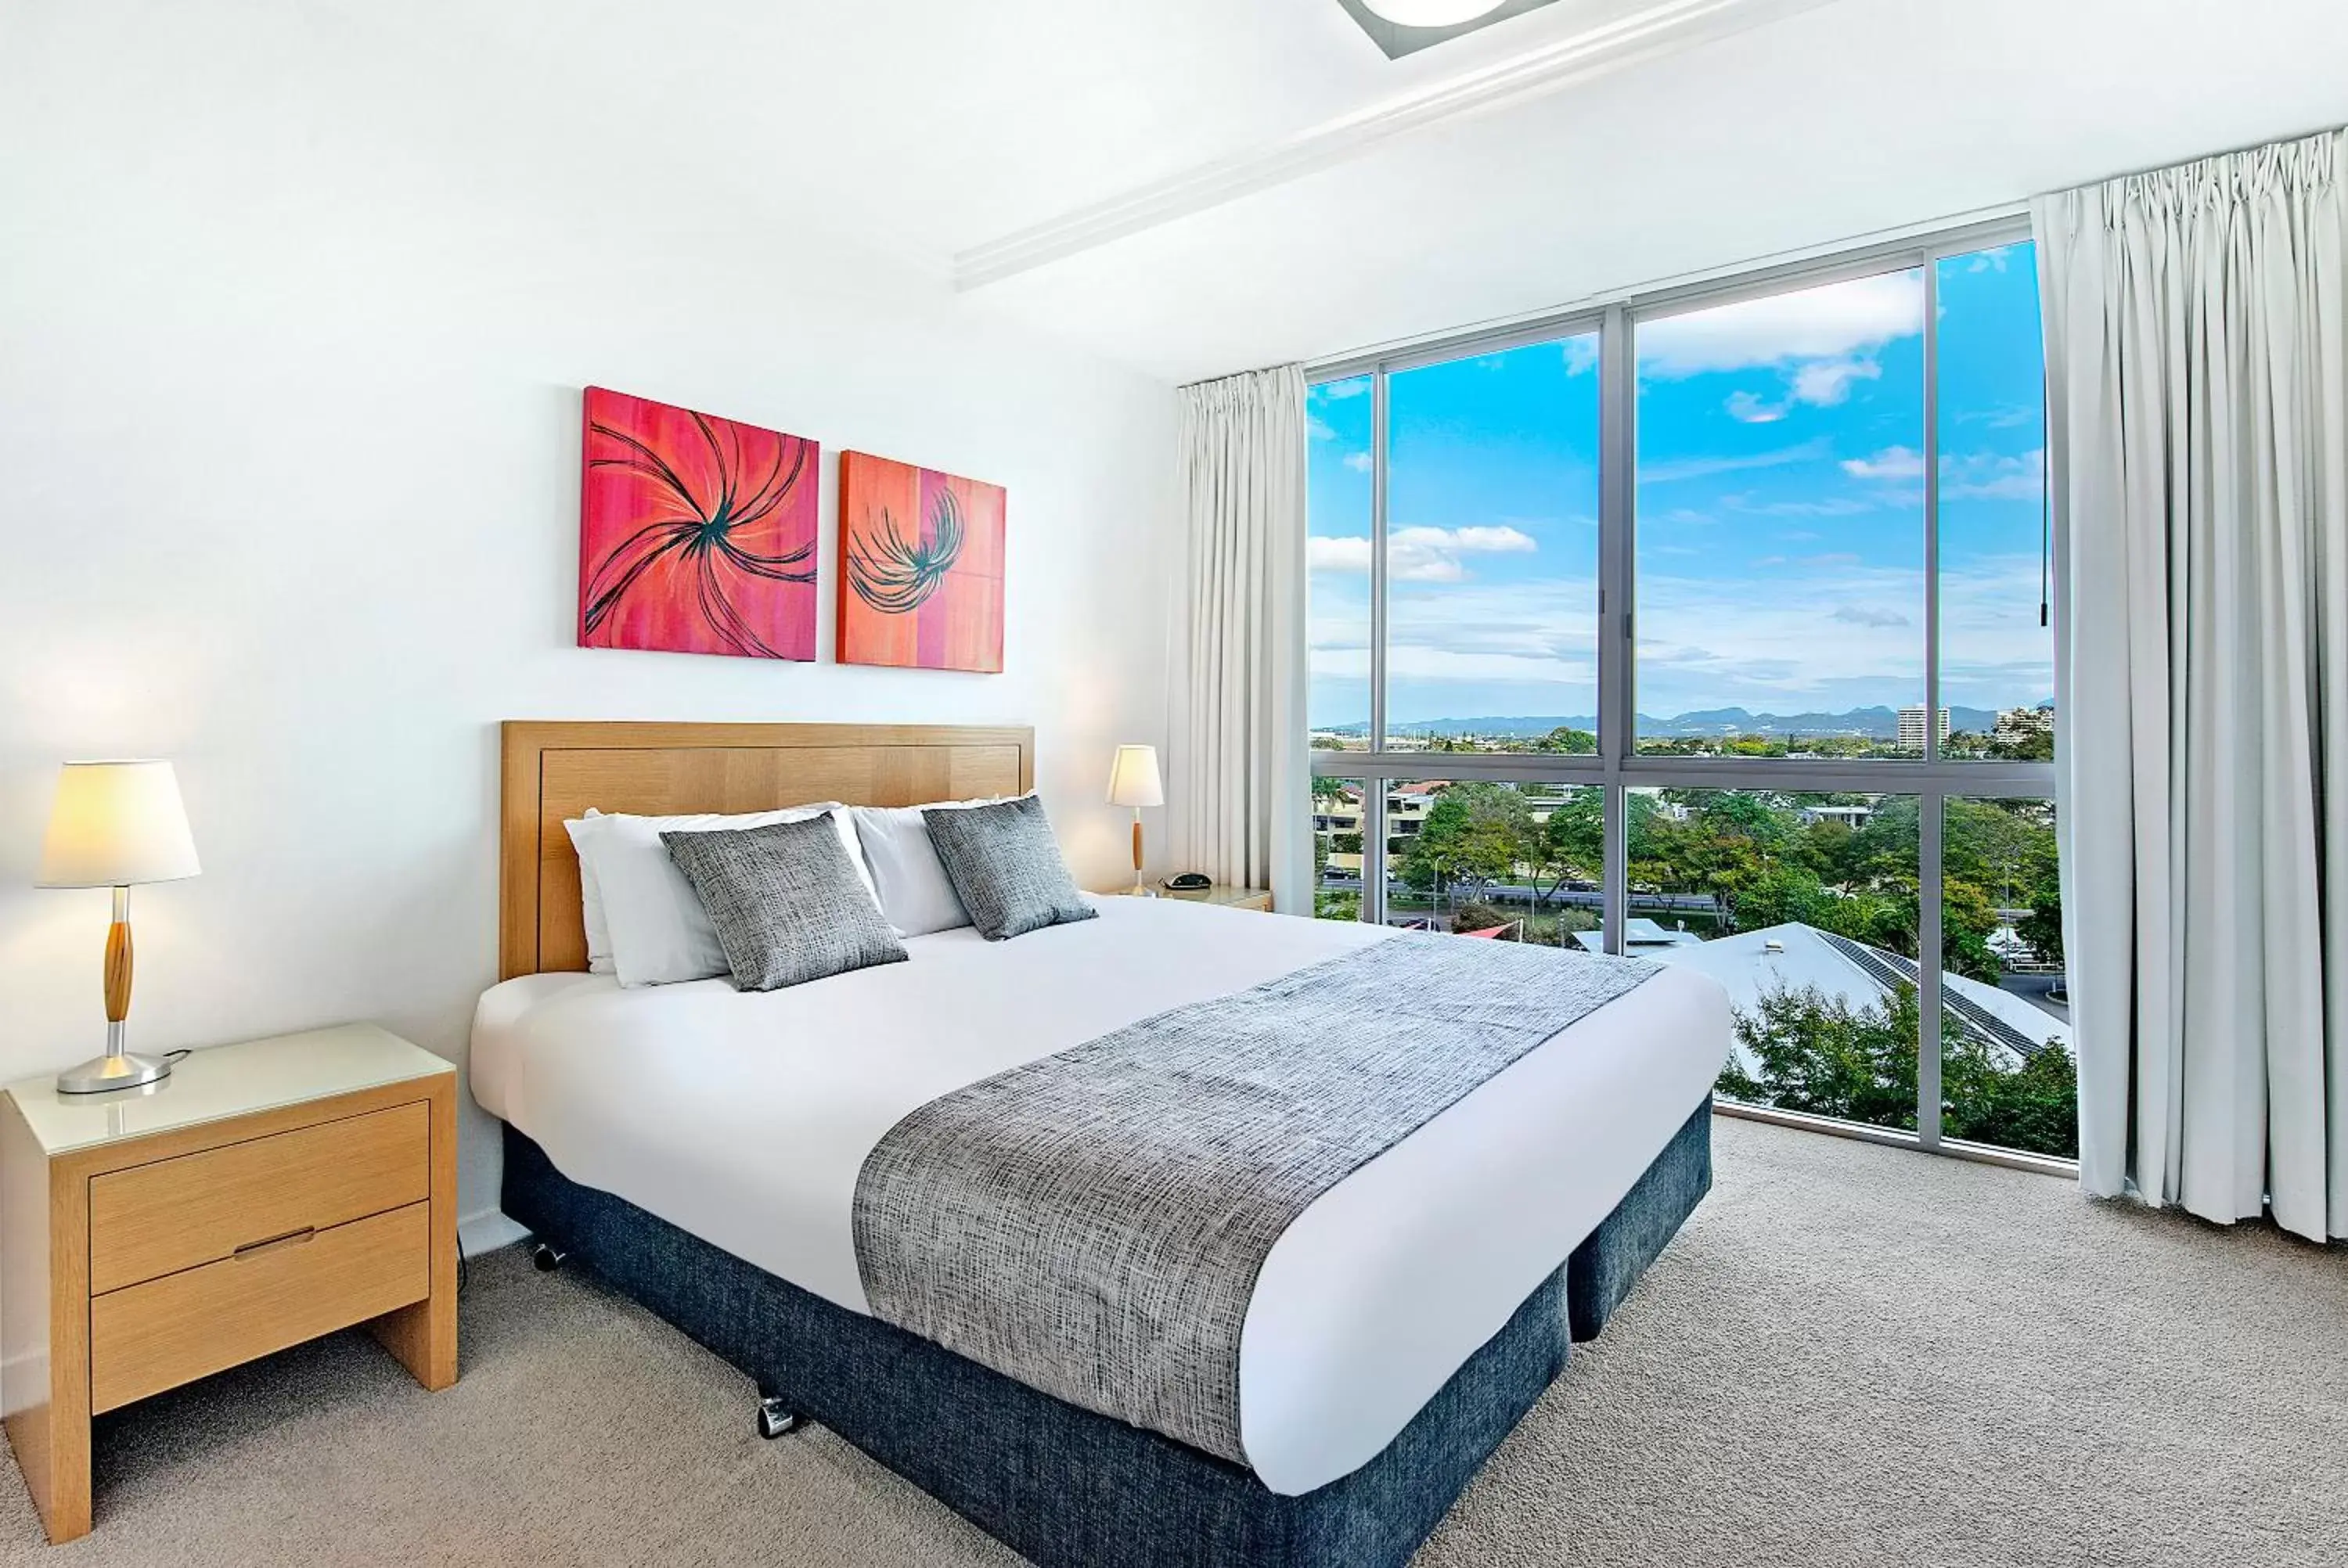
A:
[(920, 582), (696, 535)]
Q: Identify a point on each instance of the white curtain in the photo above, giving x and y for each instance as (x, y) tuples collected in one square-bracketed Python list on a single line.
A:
[(2198, 421), (1242, 762)]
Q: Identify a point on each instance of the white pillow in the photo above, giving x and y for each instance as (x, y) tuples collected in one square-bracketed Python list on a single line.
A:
[(659, 932), (591, 899), (914, 893)]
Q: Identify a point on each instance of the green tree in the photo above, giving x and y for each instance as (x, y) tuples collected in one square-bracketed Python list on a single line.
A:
[(2006, 847), (1475, 833), (1967, 919), (1818, 1053), (2043, 927), (1821, 1054), (1568, 742), (1569, 844)]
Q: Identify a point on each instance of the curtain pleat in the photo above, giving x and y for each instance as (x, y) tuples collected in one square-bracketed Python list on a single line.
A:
[(1242, 804), (2197, 427)]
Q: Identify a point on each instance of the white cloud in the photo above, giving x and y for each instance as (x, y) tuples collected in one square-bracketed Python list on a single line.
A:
[(1422, 662), (1818, 382), (1705, 467), (2003, 416), (1418, 554), (1748, 409), (1986, 477), (1851, 636), (1979, 475), (1523, 633), (1319, 429), (1837, 321), (1826, 506), (1340, 553), (1826, 382), (1359, 462), (1891, 463), (1352, 386), (1501, 539), (1711, 642), (1582, 355)]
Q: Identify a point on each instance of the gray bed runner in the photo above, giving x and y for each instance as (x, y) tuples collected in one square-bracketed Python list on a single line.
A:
[(1092, 1223)]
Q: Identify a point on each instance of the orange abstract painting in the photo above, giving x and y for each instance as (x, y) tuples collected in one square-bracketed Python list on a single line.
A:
[(921, 555)]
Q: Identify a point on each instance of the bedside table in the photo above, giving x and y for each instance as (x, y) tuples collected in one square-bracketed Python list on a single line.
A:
[(1258, 898), (263, 1195)]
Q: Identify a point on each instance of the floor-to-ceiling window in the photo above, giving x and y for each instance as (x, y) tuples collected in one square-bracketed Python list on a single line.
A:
[(1713, 626)]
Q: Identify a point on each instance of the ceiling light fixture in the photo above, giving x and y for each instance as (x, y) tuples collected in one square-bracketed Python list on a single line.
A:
[(1432, 12)]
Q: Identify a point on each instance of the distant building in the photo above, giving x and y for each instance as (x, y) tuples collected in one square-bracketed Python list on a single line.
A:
[(2017, 725), (1911, 727), (1849, 816), (1407, 808)]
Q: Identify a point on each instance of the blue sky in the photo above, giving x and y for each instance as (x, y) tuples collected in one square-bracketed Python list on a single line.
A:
[(1780, 511)]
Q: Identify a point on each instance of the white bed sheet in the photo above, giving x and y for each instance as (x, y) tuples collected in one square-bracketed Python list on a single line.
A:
[(744, 1119)]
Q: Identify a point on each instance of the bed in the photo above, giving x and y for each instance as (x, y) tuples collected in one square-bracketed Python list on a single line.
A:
[(701, 1148)]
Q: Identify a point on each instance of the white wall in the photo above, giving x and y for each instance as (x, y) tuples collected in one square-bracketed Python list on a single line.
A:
[(293, 319)]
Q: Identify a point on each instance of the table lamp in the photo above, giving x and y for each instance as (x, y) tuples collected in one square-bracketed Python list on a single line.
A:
[(116, 824), (1133, 780)]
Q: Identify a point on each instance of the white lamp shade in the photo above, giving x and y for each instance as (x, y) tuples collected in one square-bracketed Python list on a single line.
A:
[(1432, 12), (1133, 777), (115, 823)]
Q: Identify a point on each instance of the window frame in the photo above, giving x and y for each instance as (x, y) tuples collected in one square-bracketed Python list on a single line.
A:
[(1617, 766)]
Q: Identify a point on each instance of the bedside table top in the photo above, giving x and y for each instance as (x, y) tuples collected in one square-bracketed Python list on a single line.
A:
[(225, 1081), (1219, 894)]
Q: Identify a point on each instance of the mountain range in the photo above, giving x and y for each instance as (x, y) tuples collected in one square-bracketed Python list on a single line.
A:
[(1880, 723)]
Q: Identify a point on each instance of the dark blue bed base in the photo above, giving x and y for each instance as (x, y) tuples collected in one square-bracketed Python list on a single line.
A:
[(1070, 1489)]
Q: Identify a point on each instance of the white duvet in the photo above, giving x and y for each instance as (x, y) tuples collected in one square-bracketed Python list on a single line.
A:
[(745, 1117)]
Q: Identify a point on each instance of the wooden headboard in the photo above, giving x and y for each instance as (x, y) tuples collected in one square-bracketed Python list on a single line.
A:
[(554, 770)]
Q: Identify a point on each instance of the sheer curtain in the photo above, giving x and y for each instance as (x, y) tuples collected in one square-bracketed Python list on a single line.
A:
[(1242, 760), (2198, 424)]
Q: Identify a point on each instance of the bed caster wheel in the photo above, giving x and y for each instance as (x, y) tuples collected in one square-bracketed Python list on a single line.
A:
[(774, 1421), (547, 1259)]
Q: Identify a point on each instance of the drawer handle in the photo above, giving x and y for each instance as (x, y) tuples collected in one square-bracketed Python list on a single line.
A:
[(271, 1243)]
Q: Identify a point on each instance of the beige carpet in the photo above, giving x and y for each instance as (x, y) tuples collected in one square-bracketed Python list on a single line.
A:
[(1852, 1355)]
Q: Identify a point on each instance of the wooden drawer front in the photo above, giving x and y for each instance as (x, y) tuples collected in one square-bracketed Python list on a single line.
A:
[(158, 1219), (159, 1335)]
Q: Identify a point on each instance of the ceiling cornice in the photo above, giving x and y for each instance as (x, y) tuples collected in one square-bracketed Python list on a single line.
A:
[(1663, 28)]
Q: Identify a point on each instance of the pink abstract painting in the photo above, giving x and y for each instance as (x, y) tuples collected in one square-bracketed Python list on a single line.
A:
[(696, 535)]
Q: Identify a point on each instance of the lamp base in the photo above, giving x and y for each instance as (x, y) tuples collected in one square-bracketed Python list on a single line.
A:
[(101, 1073)]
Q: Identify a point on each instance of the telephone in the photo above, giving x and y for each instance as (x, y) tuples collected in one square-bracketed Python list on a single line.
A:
[(1189, 882)]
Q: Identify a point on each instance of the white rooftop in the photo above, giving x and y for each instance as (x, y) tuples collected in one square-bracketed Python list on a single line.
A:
[(1796, 957)]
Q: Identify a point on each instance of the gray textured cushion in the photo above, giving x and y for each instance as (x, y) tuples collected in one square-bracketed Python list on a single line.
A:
[(1006, 867), (787, 905)]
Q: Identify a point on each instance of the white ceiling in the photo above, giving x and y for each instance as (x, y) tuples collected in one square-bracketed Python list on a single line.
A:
[(1198, 186)]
